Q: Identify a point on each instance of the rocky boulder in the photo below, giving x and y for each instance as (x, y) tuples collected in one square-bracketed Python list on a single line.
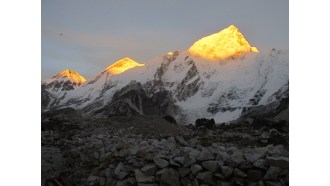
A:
[(170, 177), (208, 123)]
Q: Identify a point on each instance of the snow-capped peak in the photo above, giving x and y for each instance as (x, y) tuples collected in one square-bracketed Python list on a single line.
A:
[(71, 75), (225, 44), (122, 65), (64, 81)]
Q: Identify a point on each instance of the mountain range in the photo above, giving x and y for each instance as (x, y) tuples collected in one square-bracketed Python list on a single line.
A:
[(220, 76)]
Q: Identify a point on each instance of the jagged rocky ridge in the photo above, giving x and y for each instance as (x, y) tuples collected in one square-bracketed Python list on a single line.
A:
[(186, 87), (55, 88)]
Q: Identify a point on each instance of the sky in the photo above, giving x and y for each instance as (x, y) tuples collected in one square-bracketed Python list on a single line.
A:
[(87, 36)]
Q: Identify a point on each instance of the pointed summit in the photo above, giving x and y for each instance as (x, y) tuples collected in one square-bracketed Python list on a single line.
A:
[(225, 44), (72, 75), (64, 81), (122, 65)]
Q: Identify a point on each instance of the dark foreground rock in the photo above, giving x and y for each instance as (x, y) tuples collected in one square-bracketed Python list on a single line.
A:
[(208, 123), (151, 151)]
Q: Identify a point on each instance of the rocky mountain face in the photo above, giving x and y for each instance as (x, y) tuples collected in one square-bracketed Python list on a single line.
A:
[(54, 89), (186, 84), (187, 87), (64, 81)]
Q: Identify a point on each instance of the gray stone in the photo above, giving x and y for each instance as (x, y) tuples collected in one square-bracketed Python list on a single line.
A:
[(148, 156), (225, 183), (286, 179), (195, 182), (147, 184), (123, 153), (101, 173), (143, 178), (194, 153), (108, 148), (239, 173), (183, 171), (282, 162), (97, 144), (264, 141), (150, 169), (121, 171), (128, 182), (93, 179), (170, 143), (173, 163), (123, 183), (102, 151), (193, 142), (245, 166), (102, 181), (252, 184), (112, 166), (161, 163), (219, 175), (186, 149), (106, 156), (200, 147), (162, 171), (236, 159), (133, 150), (254, 175), (264, 136), (239, 182), (222, 155), (191, 176), (171, 177), (133, 161), (96, 155), (188, 161), (231, 150), (107, 172), (177, 153), (273, 183), (185, 181), (262, 150), (211, 165), (277, 150), (272, 173), (196, 168), (260, 164), (161, 154), (261, 183), (181, 141), (284, 173), (252, 155), (144, 143), (218, 147), (226, 171), (206, 177), (110, 182), (205, 155), (179, 160)]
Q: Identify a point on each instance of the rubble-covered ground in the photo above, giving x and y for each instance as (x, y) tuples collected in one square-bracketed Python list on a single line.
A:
[(149, 151)]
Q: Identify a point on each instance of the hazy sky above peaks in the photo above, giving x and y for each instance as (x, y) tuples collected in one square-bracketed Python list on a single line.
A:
[(87, 36)]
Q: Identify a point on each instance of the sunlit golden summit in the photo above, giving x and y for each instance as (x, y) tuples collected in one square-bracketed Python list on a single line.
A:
[(122, 65), (72, 75), (225, 44)]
